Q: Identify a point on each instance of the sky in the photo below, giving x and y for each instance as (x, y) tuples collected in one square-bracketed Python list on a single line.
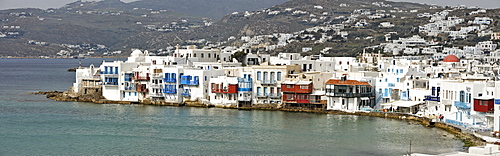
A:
[(44, 4)]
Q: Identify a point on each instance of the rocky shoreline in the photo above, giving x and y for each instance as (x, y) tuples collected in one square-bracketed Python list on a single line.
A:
[(468, 138)]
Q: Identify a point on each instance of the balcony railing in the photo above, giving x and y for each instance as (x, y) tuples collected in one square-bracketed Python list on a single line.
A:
[(318, 101), (157, 75), (156, 94), (244, 79), (352, 94), (462, 105), (155, 85), (261, 95), (170, 80), (169, 91), (129, 88), (302, 101), (274, 95), (186, 94), (191, 83), (268, 82), (110, 83), (144, 78), (432, 98)]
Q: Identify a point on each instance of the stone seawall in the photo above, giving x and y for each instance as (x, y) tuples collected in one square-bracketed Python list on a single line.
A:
[(468, 138)]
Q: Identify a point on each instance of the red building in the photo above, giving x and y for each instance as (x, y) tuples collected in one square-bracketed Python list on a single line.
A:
[(297, 94), (484, 105), (227, 89)]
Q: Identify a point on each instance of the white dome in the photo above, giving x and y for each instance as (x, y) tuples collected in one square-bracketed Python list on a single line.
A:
[(137, 53)]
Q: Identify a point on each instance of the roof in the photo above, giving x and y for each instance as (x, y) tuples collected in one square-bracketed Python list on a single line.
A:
[(346, 82), (451, 58)]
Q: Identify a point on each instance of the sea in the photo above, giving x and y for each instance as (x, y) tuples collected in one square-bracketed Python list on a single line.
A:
[(34, 125)]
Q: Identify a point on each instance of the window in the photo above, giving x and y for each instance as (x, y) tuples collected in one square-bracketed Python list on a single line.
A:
[(201, 55), (259, 75), (289, 86), (208, 55), (304, 87), (278, 76)]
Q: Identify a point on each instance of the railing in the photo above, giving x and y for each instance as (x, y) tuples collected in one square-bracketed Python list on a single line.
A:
[(318, 101), (302, 101), (129, 88), (170, 80), (274, 95), (261, 95), (391, 85), (432, 98), (110, 83), (157, 75), (352, 94), (155, 86), (141, 78), (156, 94), (462, 105), (95, 77), (244, 89), (169, 91), (244, 79), (191, 83), (268, 82), (186, 94), (245, 98)]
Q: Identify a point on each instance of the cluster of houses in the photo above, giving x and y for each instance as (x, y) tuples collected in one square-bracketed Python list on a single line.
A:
[(461, 89)]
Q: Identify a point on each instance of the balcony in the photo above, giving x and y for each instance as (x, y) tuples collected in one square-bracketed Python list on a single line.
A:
[(268, 82), (274, 95), (156, 94), (157, 75), (129, 88), (169, 80), (261, 95), (245, 98), (432, 98), (186, 94), (144, 90), (462, 105), (141, 78), (350, 95), (189, 80), (155, 85), (244, 79), (302, 101), (391, 85), (110, 83), (169, 91), (318, 102)]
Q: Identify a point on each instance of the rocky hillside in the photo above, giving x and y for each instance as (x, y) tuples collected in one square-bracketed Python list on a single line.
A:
[(111, 26)]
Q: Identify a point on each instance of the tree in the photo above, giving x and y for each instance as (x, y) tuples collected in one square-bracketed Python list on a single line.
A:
[(240, 56)]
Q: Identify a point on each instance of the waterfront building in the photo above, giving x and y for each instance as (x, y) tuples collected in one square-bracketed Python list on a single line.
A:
[(267, 81), (224, 91), (348, 95)]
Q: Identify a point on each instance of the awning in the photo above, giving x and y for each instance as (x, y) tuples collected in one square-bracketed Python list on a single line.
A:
[(365, 98), (401, 104)]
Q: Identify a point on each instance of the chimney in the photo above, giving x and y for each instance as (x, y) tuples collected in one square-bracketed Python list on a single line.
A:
[(344, 77)]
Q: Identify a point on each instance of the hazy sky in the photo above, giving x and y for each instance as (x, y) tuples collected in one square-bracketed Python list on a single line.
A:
[(44, 4)]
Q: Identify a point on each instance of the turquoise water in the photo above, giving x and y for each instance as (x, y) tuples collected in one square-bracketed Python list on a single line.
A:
[(34, 125)]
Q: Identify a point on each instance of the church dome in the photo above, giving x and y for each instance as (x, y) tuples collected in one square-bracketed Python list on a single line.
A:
[(137, 53), (451, 58)]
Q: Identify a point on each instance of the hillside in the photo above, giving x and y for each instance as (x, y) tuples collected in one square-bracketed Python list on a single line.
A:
[(111, 26)]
